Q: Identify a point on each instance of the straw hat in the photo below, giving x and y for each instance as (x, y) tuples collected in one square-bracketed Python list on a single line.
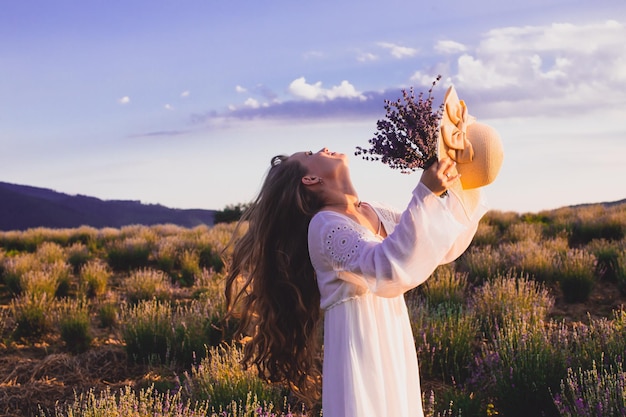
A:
[(476, 148)]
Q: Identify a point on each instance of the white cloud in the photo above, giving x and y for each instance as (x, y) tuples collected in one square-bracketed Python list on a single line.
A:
[(583, 39), (240, 89), (476, 72), (366, 57), (252, 103), (124, 100), (398, 51), (168, 107), (558, 70), (185, 94), (449, 47), (301, 89), (541, 68)]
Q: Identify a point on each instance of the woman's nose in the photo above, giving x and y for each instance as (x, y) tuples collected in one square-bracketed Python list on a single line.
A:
[(324, 150)]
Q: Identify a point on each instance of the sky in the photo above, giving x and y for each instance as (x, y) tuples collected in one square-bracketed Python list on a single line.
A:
[(184, 103)]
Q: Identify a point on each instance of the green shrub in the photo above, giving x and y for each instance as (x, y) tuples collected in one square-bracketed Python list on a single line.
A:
[(53, 279), (74, 325), (94, 277), (519, 367), (606, 253), (602, 226), (576, 275), (128, 254), (209, 286), (84, 236), (620, 271), (532, 257), (4, 322), (3, 256), (166, 253), (486, 235), (558, 222), (481, 263), (12, 241), (50, 253), (145, 284), (501, 219), (78, 255), (445, 287), (61, 270), (520, 232), (189, 267), (218, 238), (107, 235), (221, 380), (594, 392), (209, 258), (129, 403), (453, 402), (32, 315), (603, 338), (445, 339), (194, 330), (14, 269), (40, 282), (158, 332), (509, 298), (108, 315), (148, 332), (31, 239)]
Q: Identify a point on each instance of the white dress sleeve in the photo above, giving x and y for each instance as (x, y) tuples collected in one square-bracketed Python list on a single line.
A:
[(431, 231)]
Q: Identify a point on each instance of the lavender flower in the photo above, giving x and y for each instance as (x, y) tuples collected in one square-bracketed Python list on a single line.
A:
[(407, 138)]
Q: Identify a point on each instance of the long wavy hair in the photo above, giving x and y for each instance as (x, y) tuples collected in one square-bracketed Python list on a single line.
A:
[(271, 286)]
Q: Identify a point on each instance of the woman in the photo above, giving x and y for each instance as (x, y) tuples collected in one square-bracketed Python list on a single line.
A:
[(313, 246)]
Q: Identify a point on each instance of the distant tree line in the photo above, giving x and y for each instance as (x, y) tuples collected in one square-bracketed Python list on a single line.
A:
[(231, 213)]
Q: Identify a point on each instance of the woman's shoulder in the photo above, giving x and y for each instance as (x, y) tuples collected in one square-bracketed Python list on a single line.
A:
[(326, 221), (385, 211), (328, 216)]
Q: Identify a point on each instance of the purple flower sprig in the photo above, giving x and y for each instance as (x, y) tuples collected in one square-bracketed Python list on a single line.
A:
[(407, 138)]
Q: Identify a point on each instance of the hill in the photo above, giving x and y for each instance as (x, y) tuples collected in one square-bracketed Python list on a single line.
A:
[(24, 207)]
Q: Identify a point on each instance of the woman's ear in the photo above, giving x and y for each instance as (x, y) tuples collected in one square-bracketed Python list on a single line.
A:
[(311, 180)]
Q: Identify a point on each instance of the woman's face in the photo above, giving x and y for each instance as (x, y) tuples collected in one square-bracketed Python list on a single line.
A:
[(324, 163)]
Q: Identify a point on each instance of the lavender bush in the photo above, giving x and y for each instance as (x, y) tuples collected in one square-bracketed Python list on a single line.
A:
[(620, 270), (520, 366), (220, 380), (129, 403), (593, 393), (445, 336), (576, 275)]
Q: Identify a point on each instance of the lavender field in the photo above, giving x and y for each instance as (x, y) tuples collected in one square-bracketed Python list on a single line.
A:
[(127, 322)]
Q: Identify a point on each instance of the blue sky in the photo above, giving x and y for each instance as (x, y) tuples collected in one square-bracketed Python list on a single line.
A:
[(184, 103)]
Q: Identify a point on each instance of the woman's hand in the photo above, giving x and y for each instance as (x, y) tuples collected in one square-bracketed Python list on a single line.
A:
[(440, 175)]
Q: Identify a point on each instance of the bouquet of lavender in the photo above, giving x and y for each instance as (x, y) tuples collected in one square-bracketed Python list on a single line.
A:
[(407, 138)]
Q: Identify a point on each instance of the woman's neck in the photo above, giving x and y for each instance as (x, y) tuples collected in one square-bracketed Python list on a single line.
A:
[(346, 202), (361, 213), (340, 195)]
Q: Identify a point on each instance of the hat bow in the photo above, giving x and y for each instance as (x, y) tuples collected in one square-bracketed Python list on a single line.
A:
[(454, 130)]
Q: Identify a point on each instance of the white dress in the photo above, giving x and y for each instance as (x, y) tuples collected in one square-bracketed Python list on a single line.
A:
[(370, 363)]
